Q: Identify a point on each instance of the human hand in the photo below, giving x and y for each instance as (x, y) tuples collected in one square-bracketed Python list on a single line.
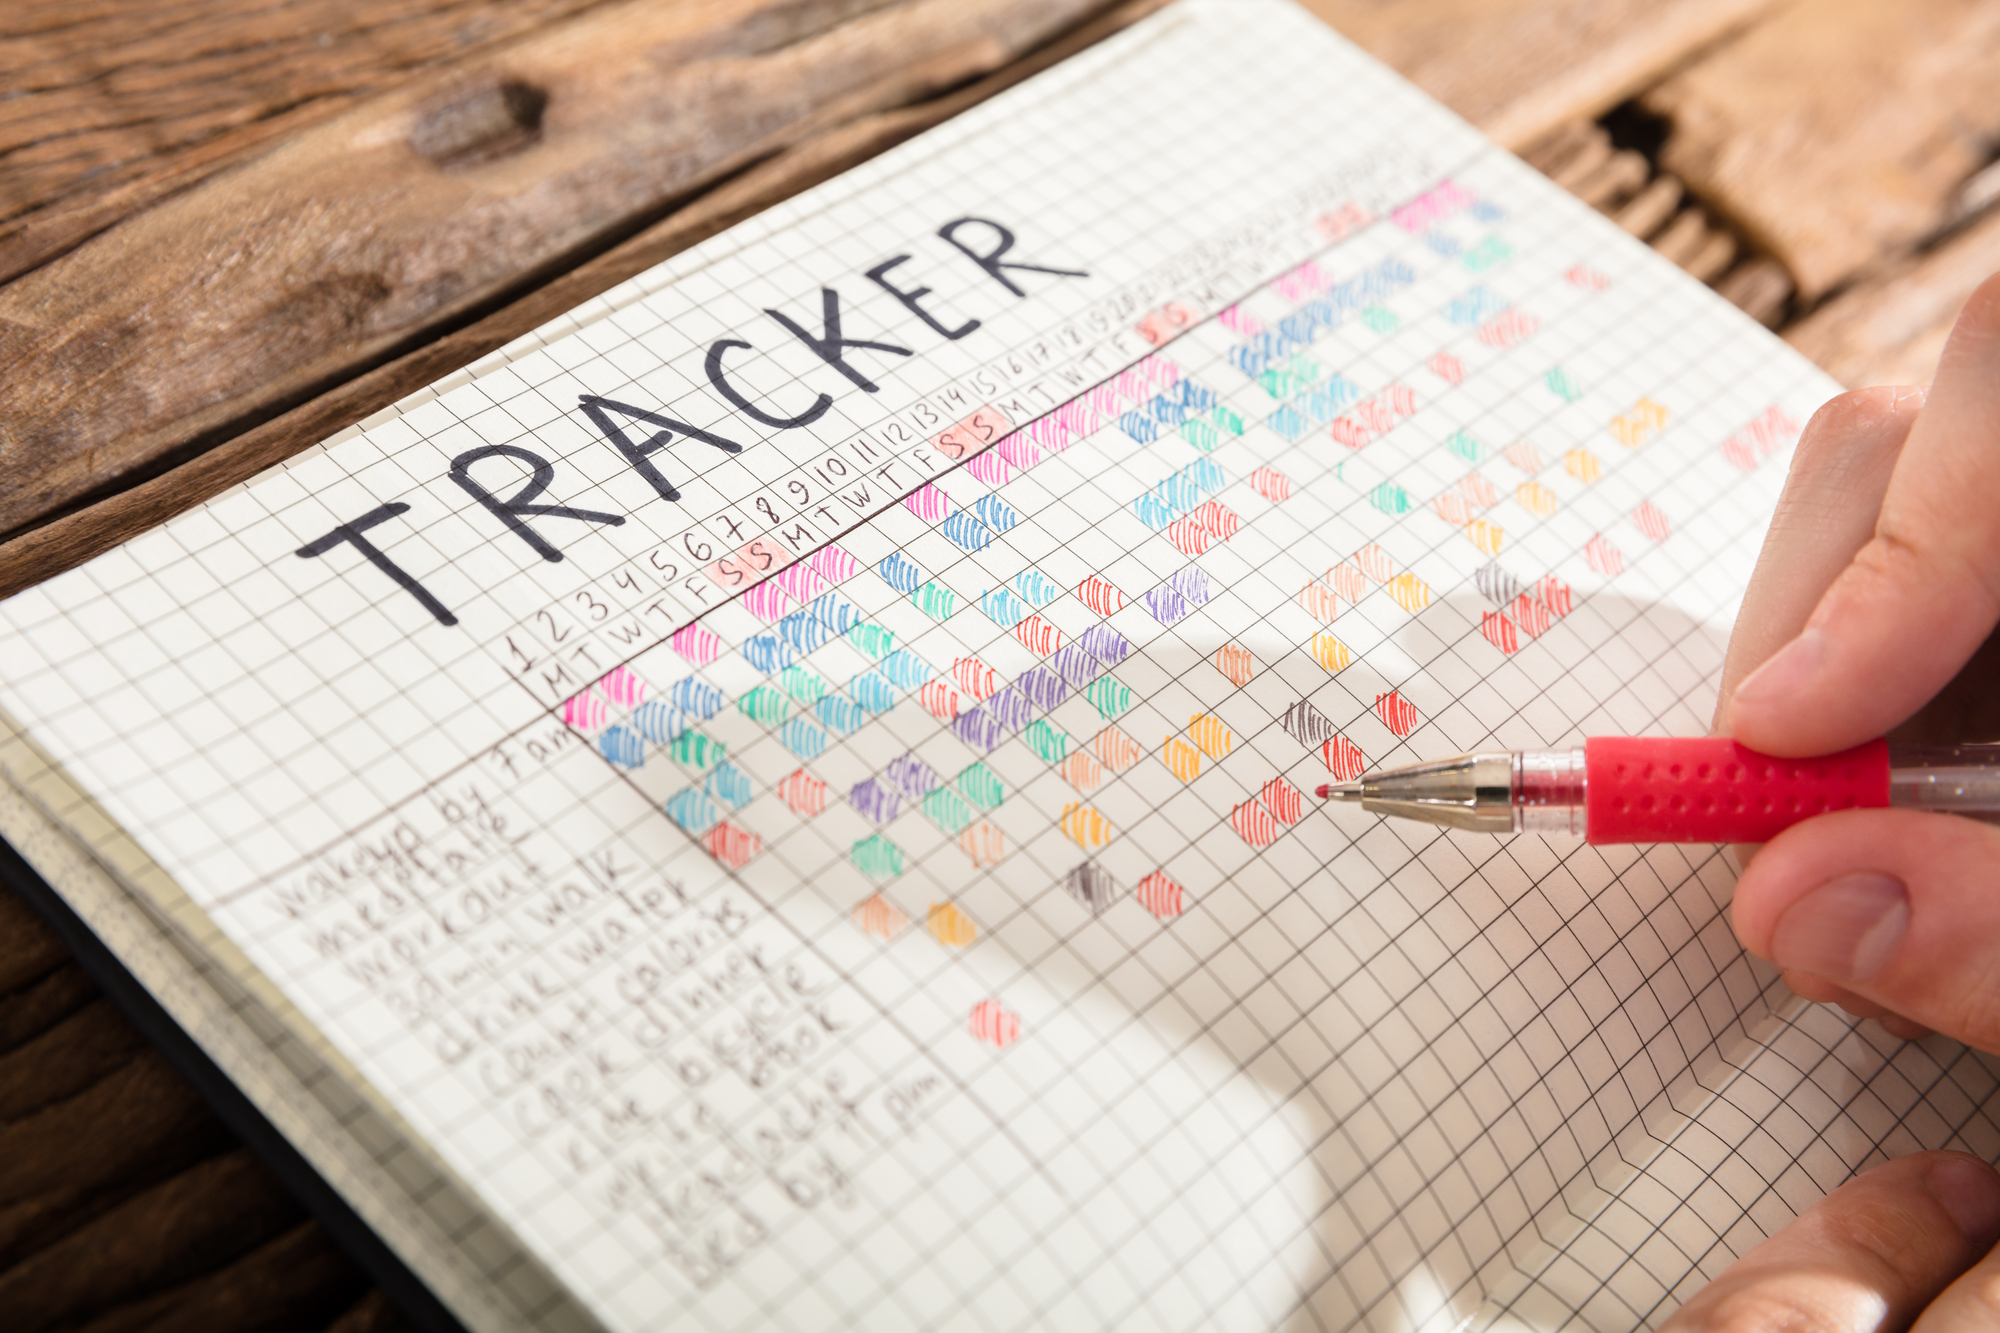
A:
[(1879, 581), (1906, 1245)]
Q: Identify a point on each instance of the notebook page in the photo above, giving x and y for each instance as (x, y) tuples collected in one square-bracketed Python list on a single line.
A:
[(792, 779), (279, 1063)]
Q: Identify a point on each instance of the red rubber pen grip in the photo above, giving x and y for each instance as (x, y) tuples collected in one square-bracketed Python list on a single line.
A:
[(1663, 789)]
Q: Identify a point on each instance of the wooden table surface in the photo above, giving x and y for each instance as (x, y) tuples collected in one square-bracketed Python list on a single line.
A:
[(228, 229)]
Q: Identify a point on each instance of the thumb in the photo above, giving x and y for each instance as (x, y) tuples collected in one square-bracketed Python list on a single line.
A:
[(1895, 907), (1924, 592)]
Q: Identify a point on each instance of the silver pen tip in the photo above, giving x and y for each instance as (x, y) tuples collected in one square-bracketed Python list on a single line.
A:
[(1340, 791)]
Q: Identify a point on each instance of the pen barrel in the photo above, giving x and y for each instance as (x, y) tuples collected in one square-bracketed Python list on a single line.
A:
[(1710, 789)]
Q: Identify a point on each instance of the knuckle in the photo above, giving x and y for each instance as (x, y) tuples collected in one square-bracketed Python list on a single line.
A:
[(1760, 1309)]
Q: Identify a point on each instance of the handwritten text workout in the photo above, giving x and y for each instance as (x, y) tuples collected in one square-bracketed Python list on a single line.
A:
[(984, 242)]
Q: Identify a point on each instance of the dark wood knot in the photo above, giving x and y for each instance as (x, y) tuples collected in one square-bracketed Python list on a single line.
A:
[(466, 125)]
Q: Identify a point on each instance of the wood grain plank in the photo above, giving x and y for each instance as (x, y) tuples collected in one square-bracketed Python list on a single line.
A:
[(29, 950), (112, 105), (75, 537), (33, 1009), (362, 237), (1838, 132), (75, 1053), (299, 1280), (114, 1128), (1890, 328), (193, 1224), (1520, 69)]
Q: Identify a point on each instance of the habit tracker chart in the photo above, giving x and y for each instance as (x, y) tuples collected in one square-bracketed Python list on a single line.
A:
[(791, 780), (1107, 650)]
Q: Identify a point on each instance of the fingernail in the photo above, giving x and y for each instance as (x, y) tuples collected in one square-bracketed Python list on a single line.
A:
[(1970, 1192), (1844, 931), (1790, 670), (1905, 393)]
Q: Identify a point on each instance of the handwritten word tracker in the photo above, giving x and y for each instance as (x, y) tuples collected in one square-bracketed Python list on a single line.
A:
[(789, 779)]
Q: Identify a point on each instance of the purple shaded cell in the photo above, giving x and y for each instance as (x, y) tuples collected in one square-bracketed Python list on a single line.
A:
[(1191, 583), (912, 775), (1165, 604), (1010, 708), (1105, 644), (978, 728), (1044, 688), (875, 801), (1075, 665)]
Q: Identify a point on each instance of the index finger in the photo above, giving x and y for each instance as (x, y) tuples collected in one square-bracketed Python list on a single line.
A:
[(1922, 595), (1868, 1257)]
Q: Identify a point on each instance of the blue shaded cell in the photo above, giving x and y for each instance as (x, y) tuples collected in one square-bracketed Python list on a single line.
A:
[(622, 746), (659, 722)]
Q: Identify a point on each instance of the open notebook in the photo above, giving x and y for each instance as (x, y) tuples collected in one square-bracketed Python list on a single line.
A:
[(780, 799)]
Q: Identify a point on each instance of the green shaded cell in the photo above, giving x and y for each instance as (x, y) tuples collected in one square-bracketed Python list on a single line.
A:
[(804, 686), (1045, 740), (979, 786), (871, 639), (1226, 420), (877, 856), (947, 810), (935, 602), (764, 706), (696, 750), (1561, 385), (1298, 375), (1381, 319), (1108, 697), (1201, 435), (1486, 254), (1390, 498), (1462, 445)]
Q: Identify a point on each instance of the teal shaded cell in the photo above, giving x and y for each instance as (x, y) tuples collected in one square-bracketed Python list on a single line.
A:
[(1390, 498), (936, 602), (1561, 385), (1381, 319), (1226, 420), (1462, 445), (1487, 254), (1201, 435), (1046, 740), (877, 856), (804, 686), (977, 783), (1108, 697), (947, 810), (696, 749), (764, 706), (871, 639)]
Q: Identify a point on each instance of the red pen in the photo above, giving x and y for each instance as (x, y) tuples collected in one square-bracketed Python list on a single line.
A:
[(1665, 789)]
